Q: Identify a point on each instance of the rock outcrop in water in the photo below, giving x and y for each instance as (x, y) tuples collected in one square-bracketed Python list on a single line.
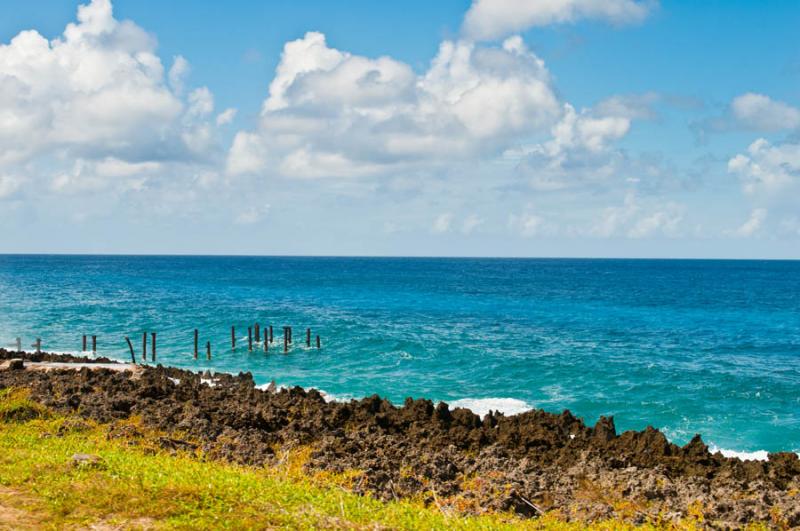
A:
[(528, 463)]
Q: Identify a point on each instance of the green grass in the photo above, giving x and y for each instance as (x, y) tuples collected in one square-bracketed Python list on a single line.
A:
[(15, 407), (136, 485)]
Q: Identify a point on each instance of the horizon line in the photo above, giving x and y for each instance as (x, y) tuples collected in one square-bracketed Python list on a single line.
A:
[(432, 257)]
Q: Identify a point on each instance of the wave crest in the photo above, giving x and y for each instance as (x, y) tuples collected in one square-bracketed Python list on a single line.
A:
[(482, 406)]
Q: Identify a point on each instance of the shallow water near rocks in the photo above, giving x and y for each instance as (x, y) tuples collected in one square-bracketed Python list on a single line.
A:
[(684, 345)]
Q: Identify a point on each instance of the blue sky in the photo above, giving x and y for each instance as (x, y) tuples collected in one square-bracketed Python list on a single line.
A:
[(485, 128)]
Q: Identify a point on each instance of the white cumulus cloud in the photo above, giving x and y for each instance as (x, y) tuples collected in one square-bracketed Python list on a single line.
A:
[(581, 148), (177, 73), (96, 93), (201, 102), (442, 223), (494, 19), (529, 225), (751, 112), (333, 113), (637, 219), (760, 112), (226, 116), (110, 172), (769, 171), (8, 185), (753, 224)]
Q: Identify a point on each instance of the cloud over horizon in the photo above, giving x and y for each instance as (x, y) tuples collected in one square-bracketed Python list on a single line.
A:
[(481, 139)]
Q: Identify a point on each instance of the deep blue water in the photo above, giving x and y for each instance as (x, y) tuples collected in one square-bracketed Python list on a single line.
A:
[(684, 345)]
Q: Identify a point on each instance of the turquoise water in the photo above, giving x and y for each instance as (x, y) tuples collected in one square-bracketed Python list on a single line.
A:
[(686, 346)]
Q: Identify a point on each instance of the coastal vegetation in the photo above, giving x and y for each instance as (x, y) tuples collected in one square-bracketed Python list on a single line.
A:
[(121, 446), (61, 471)]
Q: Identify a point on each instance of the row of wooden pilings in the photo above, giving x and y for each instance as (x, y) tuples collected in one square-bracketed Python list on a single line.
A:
[(37, 344), (269, 338), (268, 332)]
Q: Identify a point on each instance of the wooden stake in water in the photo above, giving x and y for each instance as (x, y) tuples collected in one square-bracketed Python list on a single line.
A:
[(153, 350), (19, 344), (270, 333), (38, 345), (318, 343), (144, 346), (308, 337), (84, 343), (195, 343), (266, 343), (130, 346), (258, 334), (94, 344), (233, 338), (285, 339), (290, 334), (208, 350), (249, 339)]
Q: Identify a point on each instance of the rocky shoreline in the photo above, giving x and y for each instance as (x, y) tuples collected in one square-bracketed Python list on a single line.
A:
[(528, 463)]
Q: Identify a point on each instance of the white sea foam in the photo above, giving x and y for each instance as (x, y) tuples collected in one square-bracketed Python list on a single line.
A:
[(265, 386), (328, 397), (758, 455), (176, 381), (208, 381), (82, 353), (481, 406)]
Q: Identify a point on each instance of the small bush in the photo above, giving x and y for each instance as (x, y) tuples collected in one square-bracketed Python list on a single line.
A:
[(16, 406)]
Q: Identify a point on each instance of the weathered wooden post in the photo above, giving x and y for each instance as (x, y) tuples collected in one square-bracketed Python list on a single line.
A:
[(130, 346), (94, 344), (318, 344), (285, 340), (19, 344), (208, 350), (144, 346), (233, 338), (290, 334), (195, 343), (258, 334), (270, 333), (38, 345), (84, 343), (153, 350), (250, 339), (266, 343), (308, 337)]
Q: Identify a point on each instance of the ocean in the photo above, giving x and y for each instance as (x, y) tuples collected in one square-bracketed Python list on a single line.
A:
[(687, 346)]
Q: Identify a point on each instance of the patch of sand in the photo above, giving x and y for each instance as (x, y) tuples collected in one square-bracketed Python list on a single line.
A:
[(17, 512)]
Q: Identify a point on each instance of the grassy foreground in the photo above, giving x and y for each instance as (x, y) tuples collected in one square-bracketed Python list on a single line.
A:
[(137, 485)]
